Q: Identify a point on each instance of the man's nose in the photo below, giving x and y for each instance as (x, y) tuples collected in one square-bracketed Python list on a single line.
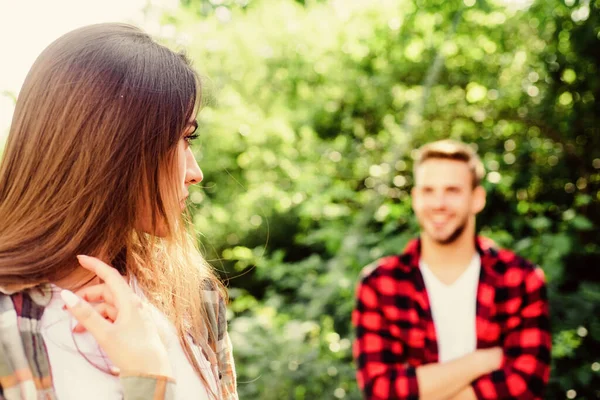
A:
[(439, 201)]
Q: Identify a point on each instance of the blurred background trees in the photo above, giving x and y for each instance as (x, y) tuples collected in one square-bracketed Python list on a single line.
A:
[(314, 110)]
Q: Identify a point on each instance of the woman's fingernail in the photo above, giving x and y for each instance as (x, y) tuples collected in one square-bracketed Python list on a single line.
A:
[(69, 298), (115, 370)]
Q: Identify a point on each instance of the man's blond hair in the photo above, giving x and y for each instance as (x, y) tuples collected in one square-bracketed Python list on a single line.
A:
[(451, 150)]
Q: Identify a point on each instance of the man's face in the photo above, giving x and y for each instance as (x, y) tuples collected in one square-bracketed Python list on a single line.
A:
[(444, 199)]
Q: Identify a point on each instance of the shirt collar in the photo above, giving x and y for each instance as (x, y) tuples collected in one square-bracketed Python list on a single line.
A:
[(486, 248)]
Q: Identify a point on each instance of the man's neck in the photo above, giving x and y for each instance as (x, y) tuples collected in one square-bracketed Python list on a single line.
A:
[(454, 256)]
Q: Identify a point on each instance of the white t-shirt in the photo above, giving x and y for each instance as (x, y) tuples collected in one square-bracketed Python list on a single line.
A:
[(75, 378), (453, 308)]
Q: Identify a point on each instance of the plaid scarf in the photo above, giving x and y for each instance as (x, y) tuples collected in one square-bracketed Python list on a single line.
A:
[(25, 372)]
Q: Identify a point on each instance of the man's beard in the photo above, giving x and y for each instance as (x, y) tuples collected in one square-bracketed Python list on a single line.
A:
[(453, 237)]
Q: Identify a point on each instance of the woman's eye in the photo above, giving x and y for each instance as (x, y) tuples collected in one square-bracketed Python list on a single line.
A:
[(191, 137)]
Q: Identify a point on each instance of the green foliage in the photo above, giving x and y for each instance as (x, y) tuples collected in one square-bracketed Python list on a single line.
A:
[(306, 149)]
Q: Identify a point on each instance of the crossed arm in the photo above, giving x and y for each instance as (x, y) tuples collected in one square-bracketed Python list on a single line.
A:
[(520, 371)]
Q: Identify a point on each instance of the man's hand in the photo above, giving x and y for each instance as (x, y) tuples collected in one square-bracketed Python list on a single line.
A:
[(453, 378), (491, 359)]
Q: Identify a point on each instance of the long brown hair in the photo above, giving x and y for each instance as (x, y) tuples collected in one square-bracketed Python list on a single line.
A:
[(94, 135)]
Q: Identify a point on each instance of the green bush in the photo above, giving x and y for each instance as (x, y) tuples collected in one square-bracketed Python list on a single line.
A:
[(306, 149)]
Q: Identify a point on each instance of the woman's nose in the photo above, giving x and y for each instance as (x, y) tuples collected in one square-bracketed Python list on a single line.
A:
[(193, 173)]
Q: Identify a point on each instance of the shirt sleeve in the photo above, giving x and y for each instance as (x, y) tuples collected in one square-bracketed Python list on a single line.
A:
[(527, 347), (382, 370), (227, 378), (147, 387)]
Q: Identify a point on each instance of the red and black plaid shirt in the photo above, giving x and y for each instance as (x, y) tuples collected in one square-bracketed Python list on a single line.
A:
[(395, 331)]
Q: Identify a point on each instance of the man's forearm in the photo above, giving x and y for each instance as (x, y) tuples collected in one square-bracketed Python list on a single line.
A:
[(442, 381), (465, 394)]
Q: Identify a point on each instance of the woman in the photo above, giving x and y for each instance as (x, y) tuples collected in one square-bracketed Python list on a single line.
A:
[(98, 163)]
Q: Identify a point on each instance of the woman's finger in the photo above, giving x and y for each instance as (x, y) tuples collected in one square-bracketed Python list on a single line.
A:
[(122, 293), (96, 294), (87, 316), (106, 311)]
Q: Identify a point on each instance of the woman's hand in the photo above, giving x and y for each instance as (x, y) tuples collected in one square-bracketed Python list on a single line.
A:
[(101, 299), (121, 323)]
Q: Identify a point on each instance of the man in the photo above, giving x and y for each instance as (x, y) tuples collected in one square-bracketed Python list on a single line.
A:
[(452, 317)]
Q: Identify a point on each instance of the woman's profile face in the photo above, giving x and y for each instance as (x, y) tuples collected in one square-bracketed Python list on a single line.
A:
[(188, 173), (187, 167)]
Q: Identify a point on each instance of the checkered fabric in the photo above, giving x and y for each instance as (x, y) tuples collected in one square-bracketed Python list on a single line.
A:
[(395, 331), (25, 372)]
